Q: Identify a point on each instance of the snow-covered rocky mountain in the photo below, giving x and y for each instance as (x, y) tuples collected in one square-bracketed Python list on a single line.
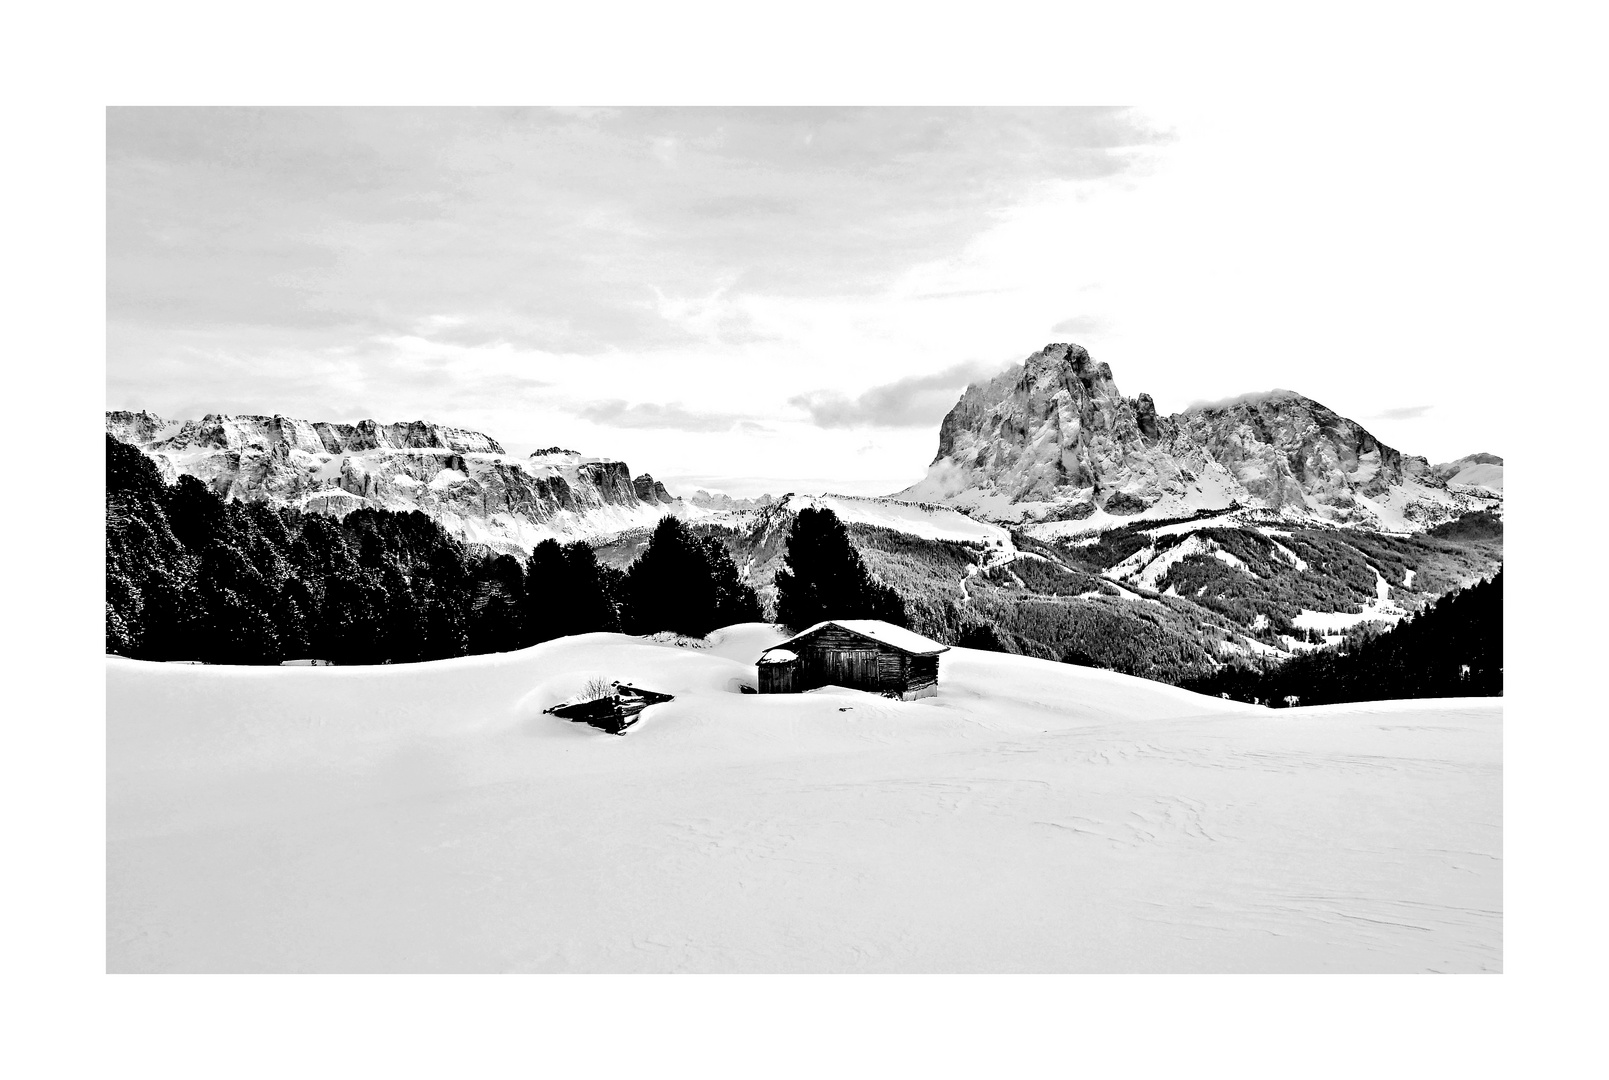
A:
[(463, 479), (1054, 441), (1474, 471), (721, 501)]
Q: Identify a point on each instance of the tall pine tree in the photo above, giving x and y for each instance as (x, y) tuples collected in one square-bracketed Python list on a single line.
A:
[(584, 592), (544, 582), (735, 600), (669, 583), (824, 577)]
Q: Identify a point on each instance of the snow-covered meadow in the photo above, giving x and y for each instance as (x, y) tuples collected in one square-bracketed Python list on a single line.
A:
[(1034, 817)]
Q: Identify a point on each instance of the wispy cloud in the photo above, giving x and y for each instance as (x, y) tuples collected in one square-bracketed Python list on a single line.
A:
[(1079, 324), (914, 401), (617, 413), (1408, 412)]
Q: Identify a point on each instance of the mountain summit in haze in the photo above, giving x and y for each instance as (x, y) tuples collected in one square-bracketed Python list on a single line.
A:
[(1054, 441)]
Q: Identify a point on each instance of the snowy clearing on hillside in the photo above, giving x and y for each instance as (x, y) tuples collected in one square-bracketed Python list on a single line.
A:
[(926, 521), (1232, 519), (1381, 610), (1147, 568), (1032, 817)]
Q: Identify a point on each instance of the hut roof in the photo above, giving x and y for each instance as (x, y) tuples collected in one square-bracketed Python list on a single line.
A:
[(894, 637), (778, 656)]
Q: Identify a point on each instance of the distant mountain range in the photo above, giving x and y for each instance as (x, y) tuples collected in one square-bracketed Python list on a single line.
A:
[(463, 479), (1058, 519), (1052, 448)]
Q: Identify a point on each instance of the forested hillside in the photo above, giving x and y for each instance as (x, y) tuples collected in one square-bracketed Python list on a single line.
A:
[(1204, 603), (192, 577), (1175, 606), (1171, 600), (1453, 648)]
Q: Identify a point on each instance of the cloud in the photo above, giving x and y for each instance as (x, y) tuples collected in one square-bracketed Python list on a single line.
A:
[(1408, 412), (540, 227), (617, 413), (914, 401), (1079, 324), (1256, 397)]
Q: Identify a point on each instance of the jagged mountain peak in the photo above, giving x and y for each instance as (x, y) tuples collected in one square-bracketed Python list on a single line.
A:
[(1054, 440)]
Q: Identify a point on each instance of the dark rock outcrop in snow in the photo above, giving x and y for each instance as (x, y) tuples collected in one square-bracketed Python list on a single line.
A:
[(650, 490)]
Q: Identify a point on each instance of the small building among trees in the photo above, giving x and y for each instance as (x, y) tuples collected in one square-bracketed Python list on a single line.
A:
[(863, 654)]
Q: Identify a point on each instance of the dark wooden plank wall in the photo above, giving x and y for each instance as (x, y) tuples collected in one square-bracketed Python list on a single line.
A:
[(924, 671), (836, 656), (780, 678)]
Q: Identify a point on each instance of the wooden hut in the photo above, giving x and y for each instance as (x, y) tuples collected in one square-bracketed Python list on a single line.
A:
[(864, 654)]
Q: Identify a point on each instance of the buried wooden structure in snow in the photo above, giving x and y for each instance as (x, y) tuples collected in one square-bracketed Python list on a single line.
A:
[(614, 712), (863, 654)]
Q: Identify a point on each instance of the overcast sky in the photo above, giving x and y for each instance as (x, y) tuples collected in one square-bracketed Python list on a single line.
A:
[(759, 300)]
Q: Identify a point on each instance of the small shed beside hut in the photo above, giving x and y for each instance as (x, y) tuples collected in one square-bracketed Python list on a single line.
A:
[(863, 654)]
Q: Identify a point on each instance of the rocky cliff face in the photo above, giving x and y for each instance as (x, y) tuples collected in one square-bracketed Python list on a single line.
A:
[(1056, 441), (651, 491), (463, 479)]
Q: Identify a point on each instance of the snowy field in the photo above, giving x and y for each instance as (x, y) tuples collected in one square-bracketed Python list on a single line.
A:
[(1034, 817)]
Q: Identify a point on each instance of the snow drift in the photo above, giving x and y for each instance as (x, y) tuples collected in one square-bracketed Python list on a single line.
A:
[(1032, 817)]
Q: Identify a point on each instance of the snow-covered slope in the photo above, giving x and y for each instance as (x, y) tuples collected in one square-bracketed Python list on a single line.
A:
[(1032, 817), (1054, 441), (1474, 471), (463, 479), (925, 520)]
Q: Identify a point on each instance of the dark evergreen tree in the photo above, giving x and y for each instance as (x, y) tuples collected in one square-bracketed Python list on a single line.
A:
[(583, 593), (446, 600), (173, 620), (496, 622), (296, 612), (985, 635), (194, 512), (446, 622), (735, 600), (824, 577), (545, 617), (669, 584), (345, 629), (612, 583), (401, 637)]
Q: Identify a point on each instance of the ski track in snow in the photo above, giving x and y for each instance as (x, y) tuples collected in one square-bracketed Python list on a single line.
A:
[(1032, 817)]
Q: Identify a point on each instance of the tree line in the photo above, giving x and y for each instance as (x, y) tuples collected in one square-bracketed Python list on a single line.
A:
[(1452, 648), (192, 576)]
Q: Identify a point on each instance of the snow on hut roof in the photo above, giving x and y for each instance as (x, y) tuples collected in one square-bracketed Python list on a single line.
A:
[(778, 656), (895, 636)]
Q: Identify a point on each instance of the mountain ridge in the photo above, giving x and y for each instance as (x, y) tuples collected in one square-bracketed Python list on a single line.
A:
[(1055, 443), (464, 479)]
